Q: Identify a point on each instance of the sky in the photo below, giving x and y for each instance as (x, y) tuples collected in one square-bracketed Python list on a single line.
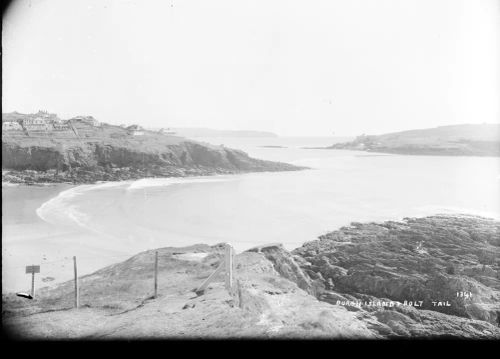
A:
[(296, 68)]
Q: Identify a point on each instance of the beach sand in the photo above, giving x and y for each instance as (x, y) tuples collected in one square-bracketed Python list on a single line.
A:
[(27, 240)]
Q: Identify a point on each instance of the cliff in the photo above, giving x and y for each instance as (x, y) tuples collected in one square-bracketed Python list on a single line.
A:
[(446, 264), (456, 140), (84, 153), (287, 295)]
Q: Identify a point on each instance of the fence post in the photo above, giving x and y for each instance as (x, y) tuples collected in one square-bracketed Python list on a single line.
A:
[(227, 265), (156, 275), (229, 268), (77, 290)]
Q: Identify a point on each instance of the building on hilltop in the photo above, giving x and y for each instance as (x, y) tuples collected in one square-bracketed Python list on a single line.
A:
[(50, 117), (61, 126), (43, 113), (89, 120), (36, 124), (11, 126), (167, 131), (135, 130)]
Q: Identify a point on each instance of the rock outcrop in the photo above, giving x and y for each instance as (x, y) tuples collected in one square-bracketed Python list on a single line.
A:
[(271, 300), (446, 264)]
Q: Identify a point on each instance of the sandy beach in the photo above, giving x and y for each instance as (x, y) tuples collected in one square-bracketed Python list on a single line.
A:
[(27, 239)]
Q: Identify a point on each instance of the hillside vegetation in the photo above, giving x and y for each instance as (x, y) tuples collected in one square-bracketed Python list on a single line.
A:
[(456, 140), (83, 153)]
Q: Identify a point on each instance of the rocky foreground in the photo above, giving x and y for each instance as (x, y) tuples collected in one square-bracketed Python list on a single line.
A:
[(364, 281), (88, 154), (445, 264)]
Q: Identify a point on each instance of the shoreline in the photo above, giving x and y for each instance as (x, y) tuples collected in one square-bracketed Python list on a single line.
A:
[(402, 153), (411, 153), (38, 234), (46, 178), (301, 278)]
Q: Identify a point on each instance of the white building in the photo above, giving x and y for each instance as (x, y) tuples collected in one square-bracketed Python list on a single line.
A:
[(11, 126), (166, 131), (36, 124), (135, 130), (61, 126), (89, 120)]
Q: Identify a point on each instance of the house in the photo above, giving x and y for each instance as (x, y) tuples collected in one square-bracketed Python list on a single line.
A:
[(135, 130), (43, 114), (11, 126), (89, 120), (49, 117), (162, 131), (61, 126), (36, 124), (56, 120)]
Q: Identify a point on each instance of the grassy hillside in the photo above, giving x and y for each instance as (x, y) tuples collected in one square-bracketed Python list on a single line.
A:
[(456, 140), (275, 296)]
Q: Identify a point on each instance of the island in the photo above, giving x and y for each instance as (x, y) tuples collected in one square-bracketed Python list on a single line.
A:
[(454, 140), (42, 148)]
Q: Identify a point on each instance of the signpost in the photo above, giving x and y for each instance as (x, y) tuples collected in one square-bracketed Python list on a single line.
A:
[(32, 269)]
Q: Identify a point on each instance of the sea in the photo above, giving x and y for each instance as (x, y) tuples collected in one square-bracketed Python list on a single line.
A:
[(105, 223)]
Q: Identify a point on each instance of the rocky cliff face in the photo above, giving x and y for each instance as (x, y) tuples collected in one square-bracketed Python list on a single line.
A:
[(106, 158), (446, 264), (388, 275)]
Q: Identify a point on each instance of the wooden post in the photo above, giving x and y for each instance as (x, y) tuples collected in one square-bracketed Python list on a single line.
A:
[(229, 268), (156, 275), (204, 285), (77, 290), (227, 265)]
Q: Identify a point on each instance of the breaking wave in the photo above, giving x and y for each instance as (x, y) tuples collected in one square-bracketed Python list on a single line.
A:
[(62, 210), (161, 182)]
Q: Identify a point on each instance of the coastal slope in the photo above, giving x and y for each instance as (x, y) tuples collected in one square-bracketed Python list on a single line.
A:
[(79, 151), (455, 140), (280, 294)]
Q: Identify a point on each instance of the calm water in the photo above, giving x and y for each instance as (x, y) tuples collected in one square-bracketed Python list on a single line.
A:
[(290, 207), (287, 207)]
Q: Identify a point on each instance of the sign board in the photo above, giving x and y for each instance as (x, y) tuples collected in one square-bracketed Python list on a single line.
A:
[(32, 269)]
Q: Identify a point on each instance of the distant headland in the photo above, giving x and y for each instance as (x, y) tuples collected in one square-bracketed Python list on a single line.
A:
[(455, 140)]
